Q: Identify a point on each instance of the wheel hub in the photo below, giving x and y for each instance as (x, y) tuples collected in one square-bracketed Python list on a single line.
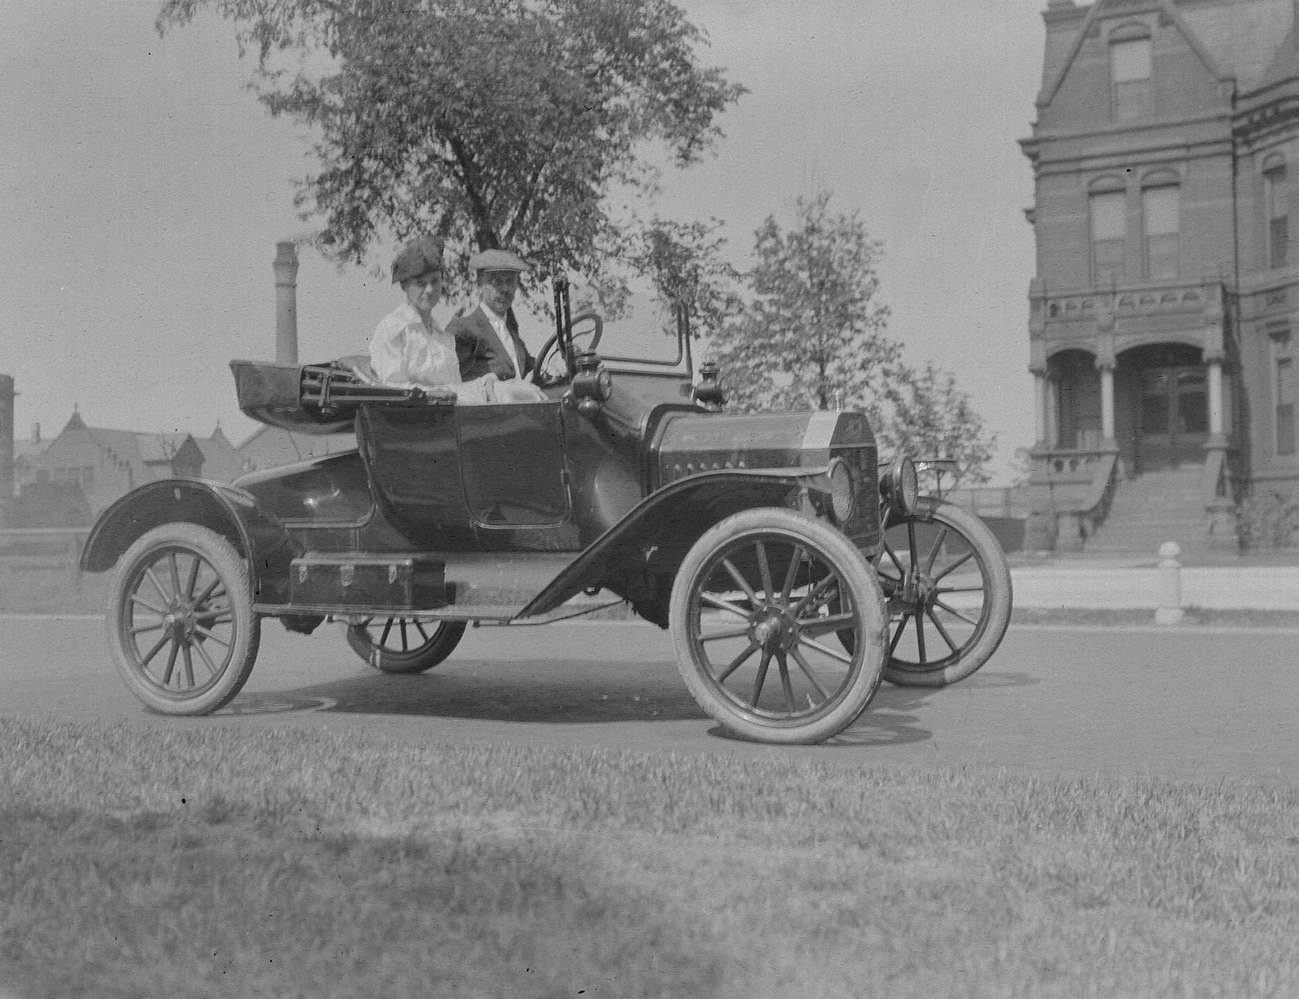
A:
[(918, 589), (179, 622), (773, 629)]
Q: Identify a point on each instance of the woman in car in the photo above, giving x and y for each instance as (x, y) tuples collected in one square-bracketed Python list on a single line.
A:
[(410, 350)]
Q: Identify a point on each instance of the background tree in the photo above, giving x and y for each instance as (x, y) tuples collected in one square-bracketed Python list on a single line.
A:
[(811, 333), (929, 417), (1021, 466), (493, 123)]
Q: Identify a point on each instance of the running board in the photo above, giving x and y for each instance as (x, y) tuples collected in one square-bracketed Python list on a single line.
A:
[(479, 585)]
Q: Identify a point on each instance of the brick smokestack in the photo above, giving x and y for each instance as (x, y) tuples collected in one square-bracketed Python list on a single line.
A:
[(6, 449), (286, 303)]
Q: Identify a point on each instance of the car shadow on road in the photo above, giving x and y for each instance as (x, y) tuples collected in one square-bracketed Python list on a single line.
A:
[(548, 696), (892, 717), (987, 679), (519, 699), (871, 729)]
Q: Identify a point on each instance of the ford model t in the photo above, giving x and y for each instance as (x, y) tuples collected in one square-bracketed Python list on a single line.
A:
[(792, 569)]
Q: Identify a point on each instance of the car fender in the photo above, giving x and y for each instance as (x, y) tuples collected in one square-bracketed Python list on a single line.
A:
[(663, 526), (227, 510)]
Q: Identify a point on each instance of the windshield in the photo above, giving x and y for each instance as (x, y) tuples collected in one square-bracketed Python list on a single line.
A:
[(639, 326)]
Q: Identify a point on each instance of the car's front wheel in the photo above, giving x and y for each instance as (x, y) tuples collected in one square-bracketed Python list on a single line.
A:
[(180, 620), (756, 608), (404, 644), (948, 588)]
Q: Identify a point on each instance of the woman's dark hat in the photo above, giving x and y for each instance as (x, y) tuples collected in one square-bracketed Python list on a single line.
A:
[(417, 258)]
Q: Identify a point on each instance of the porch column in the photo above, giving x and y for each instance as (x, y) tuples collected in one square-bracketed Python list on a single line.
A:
[(1107, 405), (1039, 408), (1216, 485), (1215, 398), (1105, 361), (1052, 413), (1037, 366), (1213, 354)]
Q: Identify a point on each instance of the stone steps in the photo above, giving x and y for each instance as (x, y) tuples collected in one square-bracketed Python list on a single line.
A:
[(1151, 509)]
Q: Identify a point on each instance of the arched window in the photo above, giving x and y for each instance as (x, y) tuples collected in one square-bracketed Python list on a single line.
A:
[(1130, 72), (1107, 212), (1161, 222), (1276, 208)]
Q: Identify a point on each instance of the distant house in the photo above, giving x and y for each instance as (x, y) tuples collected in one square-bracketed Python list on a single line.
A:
[(26, 454), (102, 464), (70, 479)]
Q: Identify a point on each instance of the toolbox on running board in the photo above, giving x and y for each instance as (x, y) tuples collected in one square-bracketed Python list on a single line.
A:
[(386, 582)]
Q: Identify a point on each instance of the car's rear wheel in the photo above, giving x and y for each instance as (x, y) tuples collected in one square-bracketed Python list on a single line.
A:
[(755, 608), (404, 644), (948, 588), (180, 620)]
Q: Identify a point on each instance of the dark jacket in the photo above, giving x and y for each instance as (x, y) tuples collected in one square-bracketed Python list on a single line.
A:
[(480, 350)]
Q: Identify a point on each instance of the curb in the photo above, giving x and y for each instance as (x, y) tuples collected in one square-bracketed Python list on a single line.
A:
[(1219, 588)]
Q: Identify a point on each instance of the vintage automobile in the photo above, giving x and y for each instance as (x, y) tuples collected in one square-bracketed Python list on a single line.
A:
[(793, 571)]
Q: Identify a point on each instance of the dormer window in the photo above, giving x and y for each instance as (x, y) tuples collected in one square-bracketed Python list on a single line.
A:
[(1130, 78)]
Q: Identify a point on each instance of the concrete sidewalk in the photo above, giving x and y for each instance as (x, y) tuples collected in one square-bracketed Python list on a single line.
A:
[(1228, 582)]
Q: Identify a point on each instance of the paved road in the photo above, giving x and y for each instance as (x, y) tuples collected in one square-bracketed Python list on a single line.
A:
[(1173, 702)]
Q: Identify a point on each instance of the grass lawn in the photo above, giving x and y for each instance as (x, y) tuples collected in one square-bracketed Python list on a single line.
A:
[(204, 861)]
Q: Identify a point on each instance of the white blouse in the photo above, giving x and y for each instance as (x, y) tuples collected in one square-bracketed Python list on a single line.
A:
[(406, 353)]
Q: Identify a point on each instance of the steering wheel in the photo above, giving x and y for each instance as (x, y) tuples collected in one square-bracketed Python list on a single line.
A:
[(551, 366)]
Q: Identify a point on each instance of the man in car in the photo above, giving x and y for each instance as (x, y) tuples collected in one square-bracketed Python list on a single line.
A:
[(410, 350), (487, 339)]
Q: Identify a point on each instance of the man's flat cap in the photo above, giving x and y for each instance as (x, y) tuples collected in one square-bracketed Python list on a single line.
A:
[(417, 258), (496, 260)]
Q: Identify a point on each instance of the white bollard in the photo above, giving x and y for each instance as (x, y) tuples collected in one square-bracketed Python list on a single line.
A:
[(1170, 584)]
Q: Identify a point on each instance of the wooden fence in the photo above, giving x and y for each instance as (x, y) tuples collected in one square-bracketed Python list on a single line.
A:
[(991, 501), (43, 548)]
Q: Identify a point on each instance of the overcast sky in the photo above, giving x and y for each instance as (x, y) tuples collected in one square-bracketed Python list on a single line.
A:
[(143, 189)]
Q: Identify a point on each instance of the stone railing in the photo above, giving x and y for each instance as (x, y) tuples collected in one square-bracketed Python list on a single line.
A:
[(1218, 492), (1071, 466), (1199, 303), (1070, 491), (1149, 300)]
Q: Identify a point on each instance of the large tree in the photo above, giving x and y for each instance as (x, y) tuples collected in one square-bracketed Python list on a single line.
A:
[(811, 334), (684, 262), (492, 123)]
